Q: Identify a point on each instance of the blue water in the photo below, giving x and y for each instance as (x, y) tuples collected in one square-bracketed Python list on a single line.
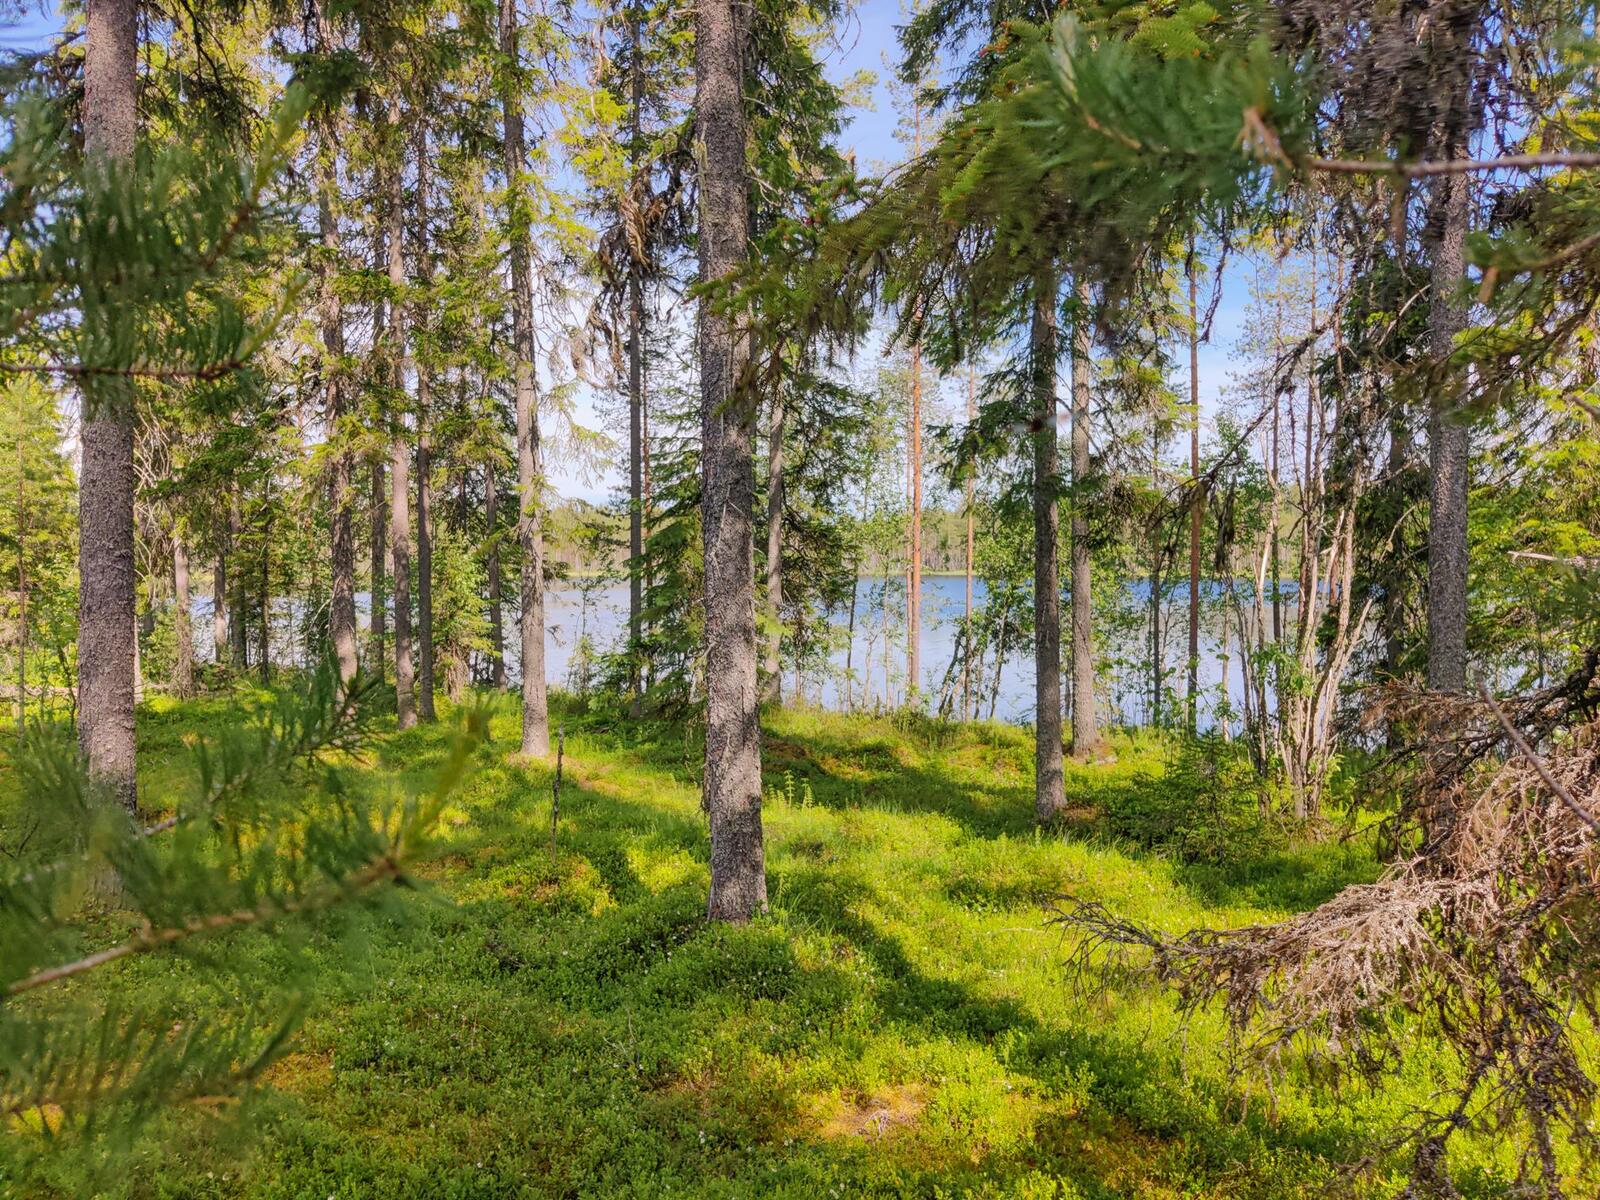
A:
[(873, 681)]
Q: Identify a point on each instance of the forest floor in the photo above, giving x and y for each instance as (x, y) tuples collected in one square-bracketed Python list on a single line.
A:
[(902, 1024)]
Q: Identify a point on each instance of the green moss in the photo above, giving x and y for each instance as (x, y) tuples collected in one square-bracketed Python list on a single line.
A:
[(900, 1025)]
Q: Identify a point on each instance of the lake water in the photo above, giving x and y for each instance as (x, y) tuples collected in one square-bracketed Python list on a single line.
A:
[(1123, 657), (1122, 652)]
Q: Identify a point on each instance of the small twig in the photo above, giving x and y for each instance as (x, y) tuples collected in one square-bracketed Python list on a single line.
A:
[(1579, 562), (1538, 764), (205, 374), (1450, 166)]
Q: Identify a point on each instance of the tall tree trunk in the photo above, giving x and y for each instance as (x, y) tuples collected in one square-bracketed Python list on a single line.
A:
[(1085, 736), (888, 645), (237, 626), (850, 639), (399, 447), (636, 418), (425, 657), (914, 486), (264, 656), (183, 630), (1196, 508), (497, 625), (21, 570), (732, 777), (400, 552), (530, 482), (219, 604), (107, 642), (914, 549), (1274, 517), (1448, 449), (342, 551), (966, 659), (772, 668), (1049, 785), (377, 622), (425, 684), (1155, 589)]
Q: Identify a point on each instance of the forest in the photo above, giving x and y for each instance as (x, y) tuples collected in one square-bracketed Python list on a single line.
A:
[(947, 598)]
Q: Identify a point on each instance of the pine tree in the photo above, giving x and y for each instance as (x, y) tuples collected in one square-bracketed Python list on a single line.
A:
[(1049, 794), (107, 640), (732, 779), (530, 484)]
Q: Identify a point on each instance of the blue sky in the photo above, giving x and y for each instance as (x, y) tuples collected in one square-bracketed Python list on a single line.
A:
[(866, 40)]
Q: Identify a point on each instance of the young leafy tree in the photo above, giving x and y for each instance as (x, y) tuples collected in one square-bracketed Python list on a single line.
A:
[(38, 535)]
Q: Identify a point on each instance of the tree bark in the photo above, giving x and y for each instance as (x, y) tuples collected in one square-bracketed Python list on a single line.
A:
[(425, 684), (237, 629), (636, 422), (497, 625), (107, 642), (1156, 585), (530, 482), (399, 447), (183, 630), (1195, 506), (914, 491), (1085, 735), (378, 620), (772, 670), (342, 550), (264, 657), (22, 570), (1049, 785), (732, 778), (1448, 449), (914, 549), (425, 658), (966, 659), (219, 605)]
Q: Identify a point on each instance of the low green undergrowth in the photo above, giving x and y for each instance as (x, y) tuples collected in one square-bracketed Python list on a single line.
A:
[(901, 1025)]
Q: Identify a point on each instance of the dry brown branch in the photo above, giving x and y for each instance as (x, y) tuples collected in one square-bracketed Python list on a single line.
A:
[(1488, 933), (1453, 166)]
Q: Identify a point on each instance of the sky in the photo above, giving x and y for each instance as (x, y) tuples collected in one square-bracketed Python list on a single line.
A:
[(866, 41)]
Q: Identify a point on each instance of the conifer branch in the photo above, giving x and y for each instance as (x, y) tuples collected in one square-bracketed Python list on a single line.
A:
[(382, 868)]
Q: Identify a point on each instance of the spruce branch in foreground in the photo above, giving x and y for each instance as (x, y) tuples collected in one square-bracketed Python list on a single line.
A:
[(277, 834)]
